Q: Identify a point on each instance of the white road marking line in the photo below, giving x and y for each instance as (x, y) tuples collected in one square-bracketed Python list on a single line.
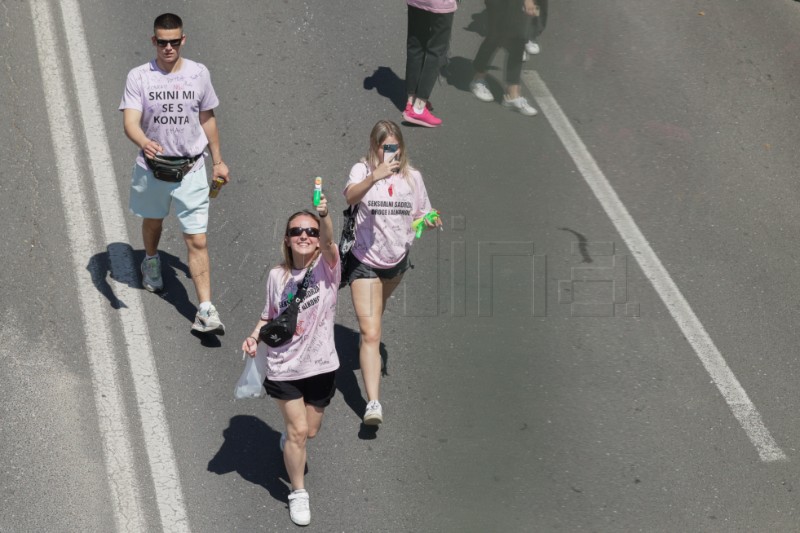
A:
[(163, 467), (112, 419), (725, 380)]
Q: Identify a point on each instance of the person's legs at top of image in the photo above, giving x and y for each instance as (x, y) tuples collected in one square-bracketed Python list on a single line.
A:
[(151, 265), (531, 46), (417, 35), (369, 300), (427, 44), (513, 98), (302, 422), (537, 27), (486, 51)]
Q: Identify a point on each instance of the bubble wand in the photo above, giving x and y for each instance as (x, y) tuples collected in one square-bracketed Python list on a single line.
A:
[(317, 190)]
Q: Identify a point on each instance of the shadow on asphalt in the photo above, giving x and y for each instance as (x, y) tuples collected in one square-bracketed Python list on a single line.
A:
[(389, 85), (246, 440), (347, 342), (174, 292)]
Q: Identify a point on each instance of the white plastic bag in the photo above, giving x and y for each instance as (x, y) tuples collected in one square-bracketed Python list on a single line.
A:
[(251, 382)]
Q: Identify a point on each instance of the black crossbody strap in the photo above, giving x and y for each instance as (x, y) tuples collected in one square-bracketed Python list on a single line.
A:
[(301, 292)]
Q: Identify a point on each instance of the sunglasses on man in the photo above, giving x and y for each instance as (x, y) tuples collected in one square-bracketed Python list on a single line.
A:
[(297, 231), (174, 43)]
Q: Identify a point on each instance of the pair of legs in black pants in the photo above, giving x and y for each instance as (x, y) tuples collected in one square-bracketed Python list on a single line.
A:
[(538, 23), (427, 43), (500, 33)]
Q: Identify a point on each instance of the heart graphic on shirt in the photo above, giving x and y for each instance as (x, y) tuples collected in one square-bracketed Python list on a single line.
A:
[(391, 189)]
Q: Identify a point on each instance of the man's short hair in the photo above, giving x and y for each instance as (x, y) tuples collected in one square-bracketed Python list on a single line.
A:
[(167, 21)]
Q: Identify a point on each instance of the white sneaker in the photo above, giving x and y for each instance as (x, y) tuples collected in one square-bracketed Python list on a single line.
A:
[(524, 56), (374, 414), (208, 322), (532, 47), (519, 104), (283, 441), (151, 274), (299, 510), (481, 91)]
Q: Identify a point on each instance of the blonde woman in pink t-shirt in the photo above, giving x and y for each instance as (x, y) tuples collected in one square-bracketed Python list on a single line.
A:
[(300, 372), (390, 195)]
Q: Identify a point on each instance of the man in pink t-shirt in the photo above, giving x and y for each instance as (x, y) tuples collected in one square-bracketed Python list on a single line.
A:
[(168, 113)]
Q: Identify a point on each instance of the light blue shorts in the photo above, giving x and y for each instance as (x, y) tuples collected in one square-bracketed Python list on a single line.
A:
[(152, 198)]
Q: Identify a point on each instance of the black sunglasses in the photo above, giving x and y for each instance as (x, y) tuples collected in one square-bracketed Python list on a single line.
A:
[(297, 231), (174, 43), (391, 147)]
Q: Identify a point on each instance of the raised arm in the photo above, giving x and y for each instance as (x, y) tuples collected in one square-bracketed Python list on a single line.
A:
[(326, 245)]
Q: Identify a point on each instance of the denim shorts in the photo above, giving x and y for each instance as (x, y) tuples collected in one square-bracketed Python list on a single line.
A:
[(153, 198)]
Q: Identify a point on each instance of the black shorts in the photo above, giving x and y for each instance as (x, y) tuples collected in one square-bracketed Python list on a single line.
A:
[(362, 271), (315, 390)]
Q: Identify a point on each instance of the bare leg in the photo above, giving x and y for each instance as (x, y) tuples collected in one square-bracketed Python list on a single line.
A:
[(199, 265), (151, 234), (369, 299), (302, 423), (314, 420), (294, 452)]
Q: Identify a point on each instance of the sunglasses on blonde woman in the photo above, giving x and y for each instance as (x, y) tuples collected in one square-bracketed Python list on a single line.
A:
[(297, 231)]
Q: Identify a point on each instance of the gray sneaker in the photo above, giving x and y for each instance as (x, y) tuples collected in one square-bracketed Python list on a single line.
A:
[(374, 414), (151, 274), (208, 322), (519, 104)]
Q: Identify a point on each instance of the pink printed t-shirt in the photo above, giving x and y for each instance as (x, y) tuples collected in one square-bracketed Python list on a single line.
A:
[(170, 104), (383, 223), (312, 350)]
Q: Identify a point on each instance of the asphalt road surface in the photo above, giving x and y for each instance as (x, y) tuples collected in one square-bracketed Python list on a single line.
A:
[(603, 338)]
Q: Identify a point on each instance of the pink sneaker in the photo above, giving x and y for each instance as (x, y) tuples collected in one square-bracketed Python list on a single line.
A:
[(425, 118)]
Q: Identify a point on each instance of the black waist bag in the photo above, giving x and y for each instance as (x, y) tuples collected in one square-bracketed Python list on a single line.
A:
[(172, 169), (280, 330)]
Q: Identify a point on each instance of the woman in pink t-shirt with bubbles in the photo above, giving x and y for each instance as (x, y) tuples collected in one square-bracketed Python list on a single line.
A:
[(300, 372), (390, 195)]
